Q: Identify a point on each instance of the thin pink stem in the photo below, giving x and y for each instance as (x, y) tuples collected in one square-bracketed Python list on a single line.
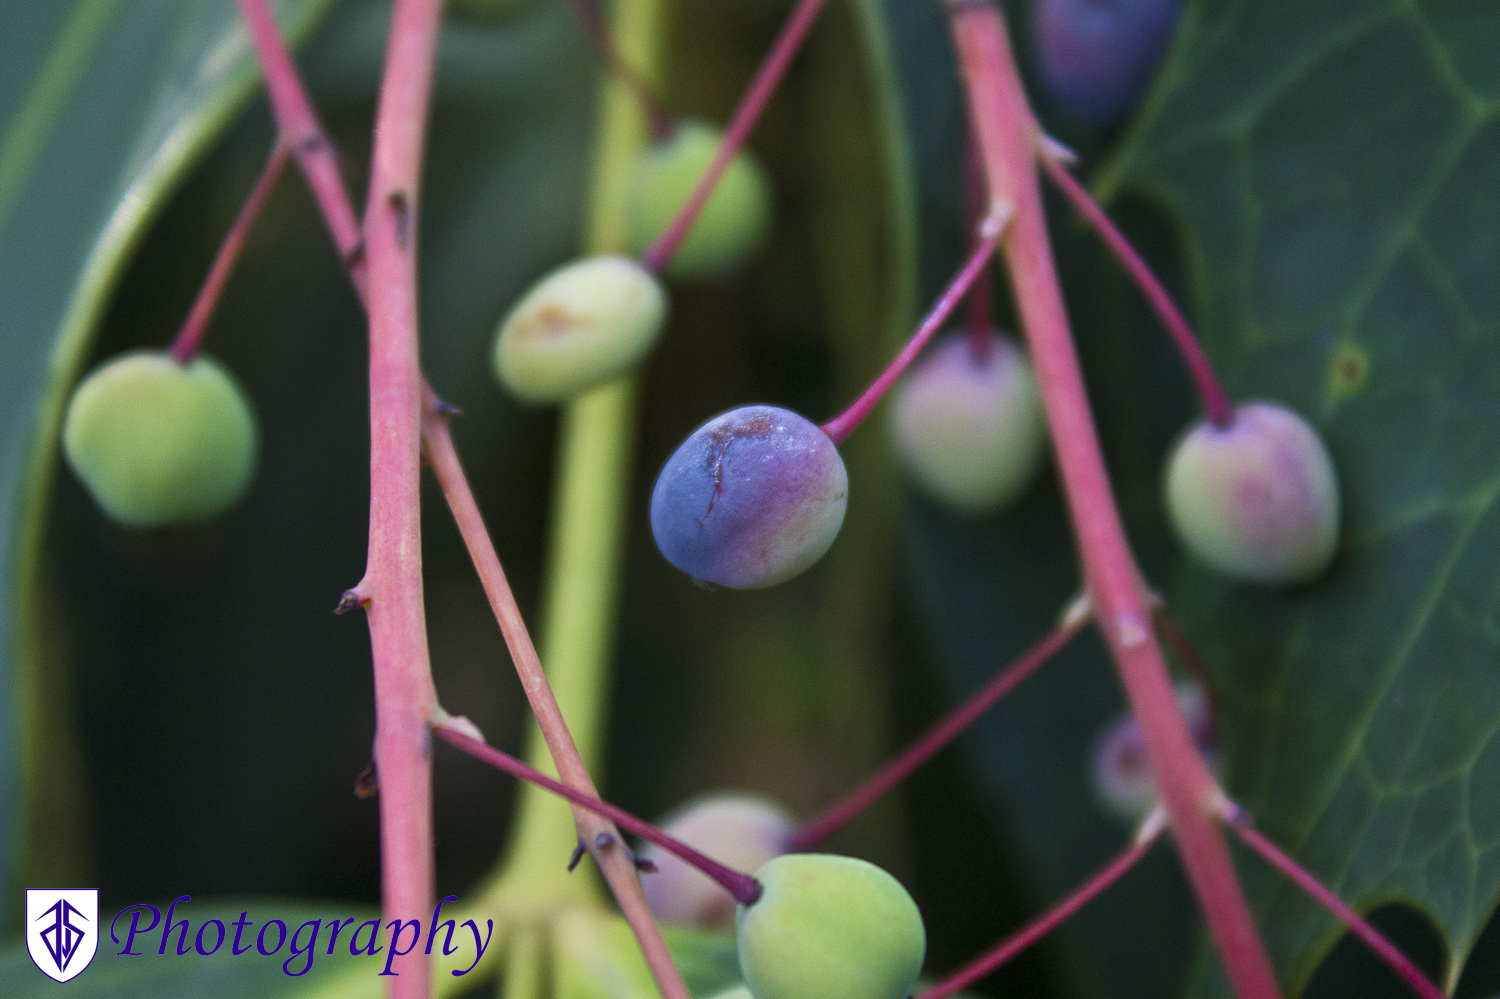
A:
[(834, 818), (596, 30), (294, 112), (392, 586), (745, 889), (186, 343), (303, 133), (1305, 880), (1215, 402), (841, 426), (767, 78), (1009, 138), (1033, 931), (981, 322)]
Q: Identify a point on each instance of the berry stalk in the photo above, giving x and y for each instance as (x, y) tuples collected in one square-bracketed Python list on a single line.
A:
[(757, 95), (979, 317), (1033, 931), (1215, 403), (188, 338), (392, 585), (841, 426), (1239, 821), (836, 816), (1009, 139), (745, 889)]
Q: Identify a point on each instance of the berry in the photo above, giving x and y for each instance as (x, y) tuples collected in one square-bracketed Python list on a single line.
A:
[(735, 219), (1097, 56), (968, 424), (738, 992), (830, 926), (1258, 499), (157, 442), (752, 498), (1121, 772), (739, 830), (582, 324)]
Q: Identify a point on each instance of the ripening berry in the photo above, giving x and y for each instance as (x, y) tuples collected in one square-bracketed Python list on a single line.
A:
[(968, 422), (752, 498), (829, 927), (582, 324), (740, 830), (734, 220), (1120, 770), (157, 442), (1258, 499), (1097, 56)]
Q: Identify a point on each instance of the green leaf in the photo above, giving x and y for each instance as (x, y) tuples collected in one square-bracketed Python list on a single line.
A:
[(148, 974), (104, 105), (1335, 170)]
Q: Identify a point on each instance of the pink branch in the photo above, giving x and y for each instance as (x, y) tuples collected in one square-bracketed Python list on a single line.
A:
[(301, 130), (834, 818), (1304, 879), (1029, 934), (1009, 138), (980, 317), (392, 586), (767, 78), (745, 889), (186, 343), (841, 426), (1215, 402)]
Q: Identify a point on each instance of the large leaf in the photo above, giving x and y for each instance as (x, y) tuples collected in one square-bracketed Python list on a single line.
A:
[(103, 106), (1335, 169)]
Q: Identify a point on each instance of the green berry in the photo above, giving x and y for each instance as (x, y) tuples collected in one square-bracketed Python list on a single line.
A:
[(1258, 499), (582, 324), (157, 442), (734, 221), (829, 927), (741, 830), (968, 424), (738, 992)]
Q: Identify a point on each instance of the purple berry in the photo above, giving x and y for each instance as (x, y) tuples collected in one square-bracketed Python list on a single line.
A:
[(1258, 499), (752, 498), (1121, 771), (968, 423), (1097, 56), (740, 830)]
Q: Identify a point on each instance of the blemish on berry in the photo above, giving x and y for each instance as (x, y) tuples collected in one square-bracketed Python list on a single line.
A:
[(1348, 370)]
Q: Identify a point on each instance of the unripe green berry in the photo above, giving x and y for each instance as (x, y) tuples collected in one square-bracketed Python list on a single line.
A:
[(740, 830), (734, 220), (1258, 499), (582, 324), (157, 442), (830, 927), (967, 422)]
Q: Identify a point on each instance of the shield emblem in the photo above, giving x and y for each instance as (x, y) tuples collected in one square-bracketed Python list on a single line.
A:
[(62, 929)]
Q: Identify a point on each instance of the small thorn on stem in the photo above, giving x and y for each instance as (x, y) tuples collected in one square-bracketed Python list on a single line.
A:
[(1077, 614), (1057, 151), (401, 206), (355, 256), (579, 852), (366, 782), (353, 598), (443, 407)]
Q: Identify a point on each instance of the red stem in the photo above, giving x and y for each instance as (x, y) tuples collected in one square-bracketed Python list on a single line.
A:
[(981, 322), (745, 889), (595, 29), (392, 586), (1009, 138), (1304, 879), (299, 128), (1033, 931), (186, 343), (841, 426), (834, 818), (772, 69), (1215, 402)]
